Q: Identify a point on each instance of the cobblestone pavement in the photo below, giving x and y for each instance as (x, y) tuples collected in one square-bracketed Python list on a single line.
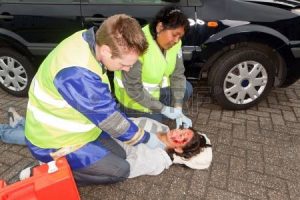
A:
[(256, 154)]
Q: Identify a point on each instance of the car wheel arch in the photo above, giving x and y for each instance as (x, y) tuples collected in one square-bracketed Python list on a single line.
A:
[(211, 52), (16, 44), (279, 60)]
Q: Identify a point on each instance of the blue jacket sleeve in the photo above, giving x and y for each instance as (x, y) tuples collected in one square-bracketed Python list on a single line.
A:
[(85, 92)]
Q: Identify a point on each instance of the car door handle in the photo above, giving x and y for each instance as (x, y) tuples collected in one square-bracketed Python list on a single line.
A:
[(95, 19), (6, 17)]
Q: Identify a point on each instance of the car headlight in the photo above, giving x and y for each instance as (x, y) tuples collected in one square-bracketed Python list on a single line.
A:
[(296, 11)]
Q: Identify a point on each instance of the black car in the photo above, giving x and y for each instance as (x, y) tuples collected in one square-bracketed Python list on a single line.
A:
[(244, 47)]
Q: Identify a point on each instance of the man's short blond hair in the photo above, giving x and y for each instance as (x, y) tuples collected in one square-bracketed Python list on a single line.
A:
[(122, 34)]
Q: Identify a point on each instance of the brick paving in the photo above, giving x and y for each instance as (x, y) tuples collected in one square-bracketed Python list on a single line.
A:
[(256, 154)]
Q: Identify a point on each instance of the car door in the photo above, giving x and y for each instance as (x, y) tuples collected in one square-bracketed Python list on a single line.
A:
[(95, 11), (39, 24)]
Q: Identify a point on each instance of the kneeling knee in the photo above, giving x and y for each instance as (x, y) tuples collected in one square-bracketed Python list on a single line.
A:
[(124, 170)]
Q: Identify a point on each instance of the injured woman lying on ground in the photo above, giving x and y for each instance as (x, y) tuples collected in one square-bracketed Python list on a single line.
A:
[(178, 146)]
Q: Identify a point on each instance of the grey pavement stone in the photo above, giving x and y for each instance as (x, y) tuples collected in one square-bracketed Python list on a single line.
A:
[(275, 195), (17, 148), (181, 171), (265, 123), (287, 103), (289, 116), (297, 111), (244, 144), (279, 91), (225, 137), (215, 115), (206, 128), (178, 189), (294, 190), (233, 120), (219, 174), (230, 150), (221, 158), (263, 103), (10, 158), (135, 186), (217, 194), (4, 147), (255, 161), (286, 131), (277, 119), (239, 131), (252, 127), (157, 192), (198, 183), (107, 192), (258, 113), (202, 118), (272, 99), (238, 168), (246, 116), (255, 154), (248, 189), (191, 197), (290, 93), (220, 124), (228, 113), (271, 156), (284, 173), (293, 125), (261, 139), (3, 167), (281, 107), (240, 111), (132, 197), (270, 110), (267, 181), (282, 97)]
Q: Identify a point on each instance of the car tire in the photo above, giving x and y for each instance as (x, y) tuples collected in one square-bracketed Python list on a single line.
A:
[(241, 78), (16, 72)]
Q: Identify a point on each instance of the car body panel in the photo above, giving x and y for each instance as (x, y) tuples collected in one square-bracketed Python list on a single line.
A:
[(35, 27)]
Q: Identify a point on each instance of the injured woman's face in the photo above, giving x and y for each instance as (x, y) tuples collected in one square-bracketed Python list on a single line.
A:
[(178, 138)]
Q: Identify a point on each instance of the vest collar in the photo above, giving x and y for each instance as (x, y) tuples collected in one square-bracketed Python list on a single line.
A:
[(90, 38)]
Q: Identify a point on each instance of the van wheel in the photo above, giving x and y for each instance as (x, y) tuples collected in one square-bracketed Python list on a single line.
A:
[(241, 78), (16, 72)]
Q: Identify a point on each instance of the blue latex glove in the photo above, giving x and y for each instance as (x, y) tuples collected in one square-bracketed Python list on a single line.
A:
[(154, 142), (171, 112), (183, 120)]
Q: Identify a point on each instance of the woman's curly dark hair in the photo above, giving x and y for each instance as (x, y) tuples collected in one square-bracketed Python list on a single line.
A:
[(192, 148), (171, 17)]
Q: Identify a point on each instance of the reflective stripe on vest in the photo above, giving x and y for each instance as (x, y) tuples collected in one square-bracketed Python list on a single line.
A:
[(43, 96), (65, 125), (147, 86)]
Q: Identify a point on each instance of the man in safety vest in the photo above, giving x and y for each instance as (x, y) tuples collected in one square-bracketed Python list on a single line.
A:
[(71, 111)]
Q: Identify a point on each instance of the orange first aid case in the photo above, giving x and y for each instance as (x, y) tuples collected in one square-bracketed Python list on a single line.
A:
[(43, 185)]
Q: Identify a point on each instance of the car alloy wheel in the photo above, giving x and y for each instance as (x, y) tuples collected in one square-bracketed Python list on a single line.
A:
[(242, 77), (16, 72), (245, 82), (12, 74)]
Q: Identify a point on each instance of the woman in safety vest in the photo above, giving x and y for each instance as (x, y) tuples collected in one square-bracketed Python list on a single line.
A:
[(157, 80)]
